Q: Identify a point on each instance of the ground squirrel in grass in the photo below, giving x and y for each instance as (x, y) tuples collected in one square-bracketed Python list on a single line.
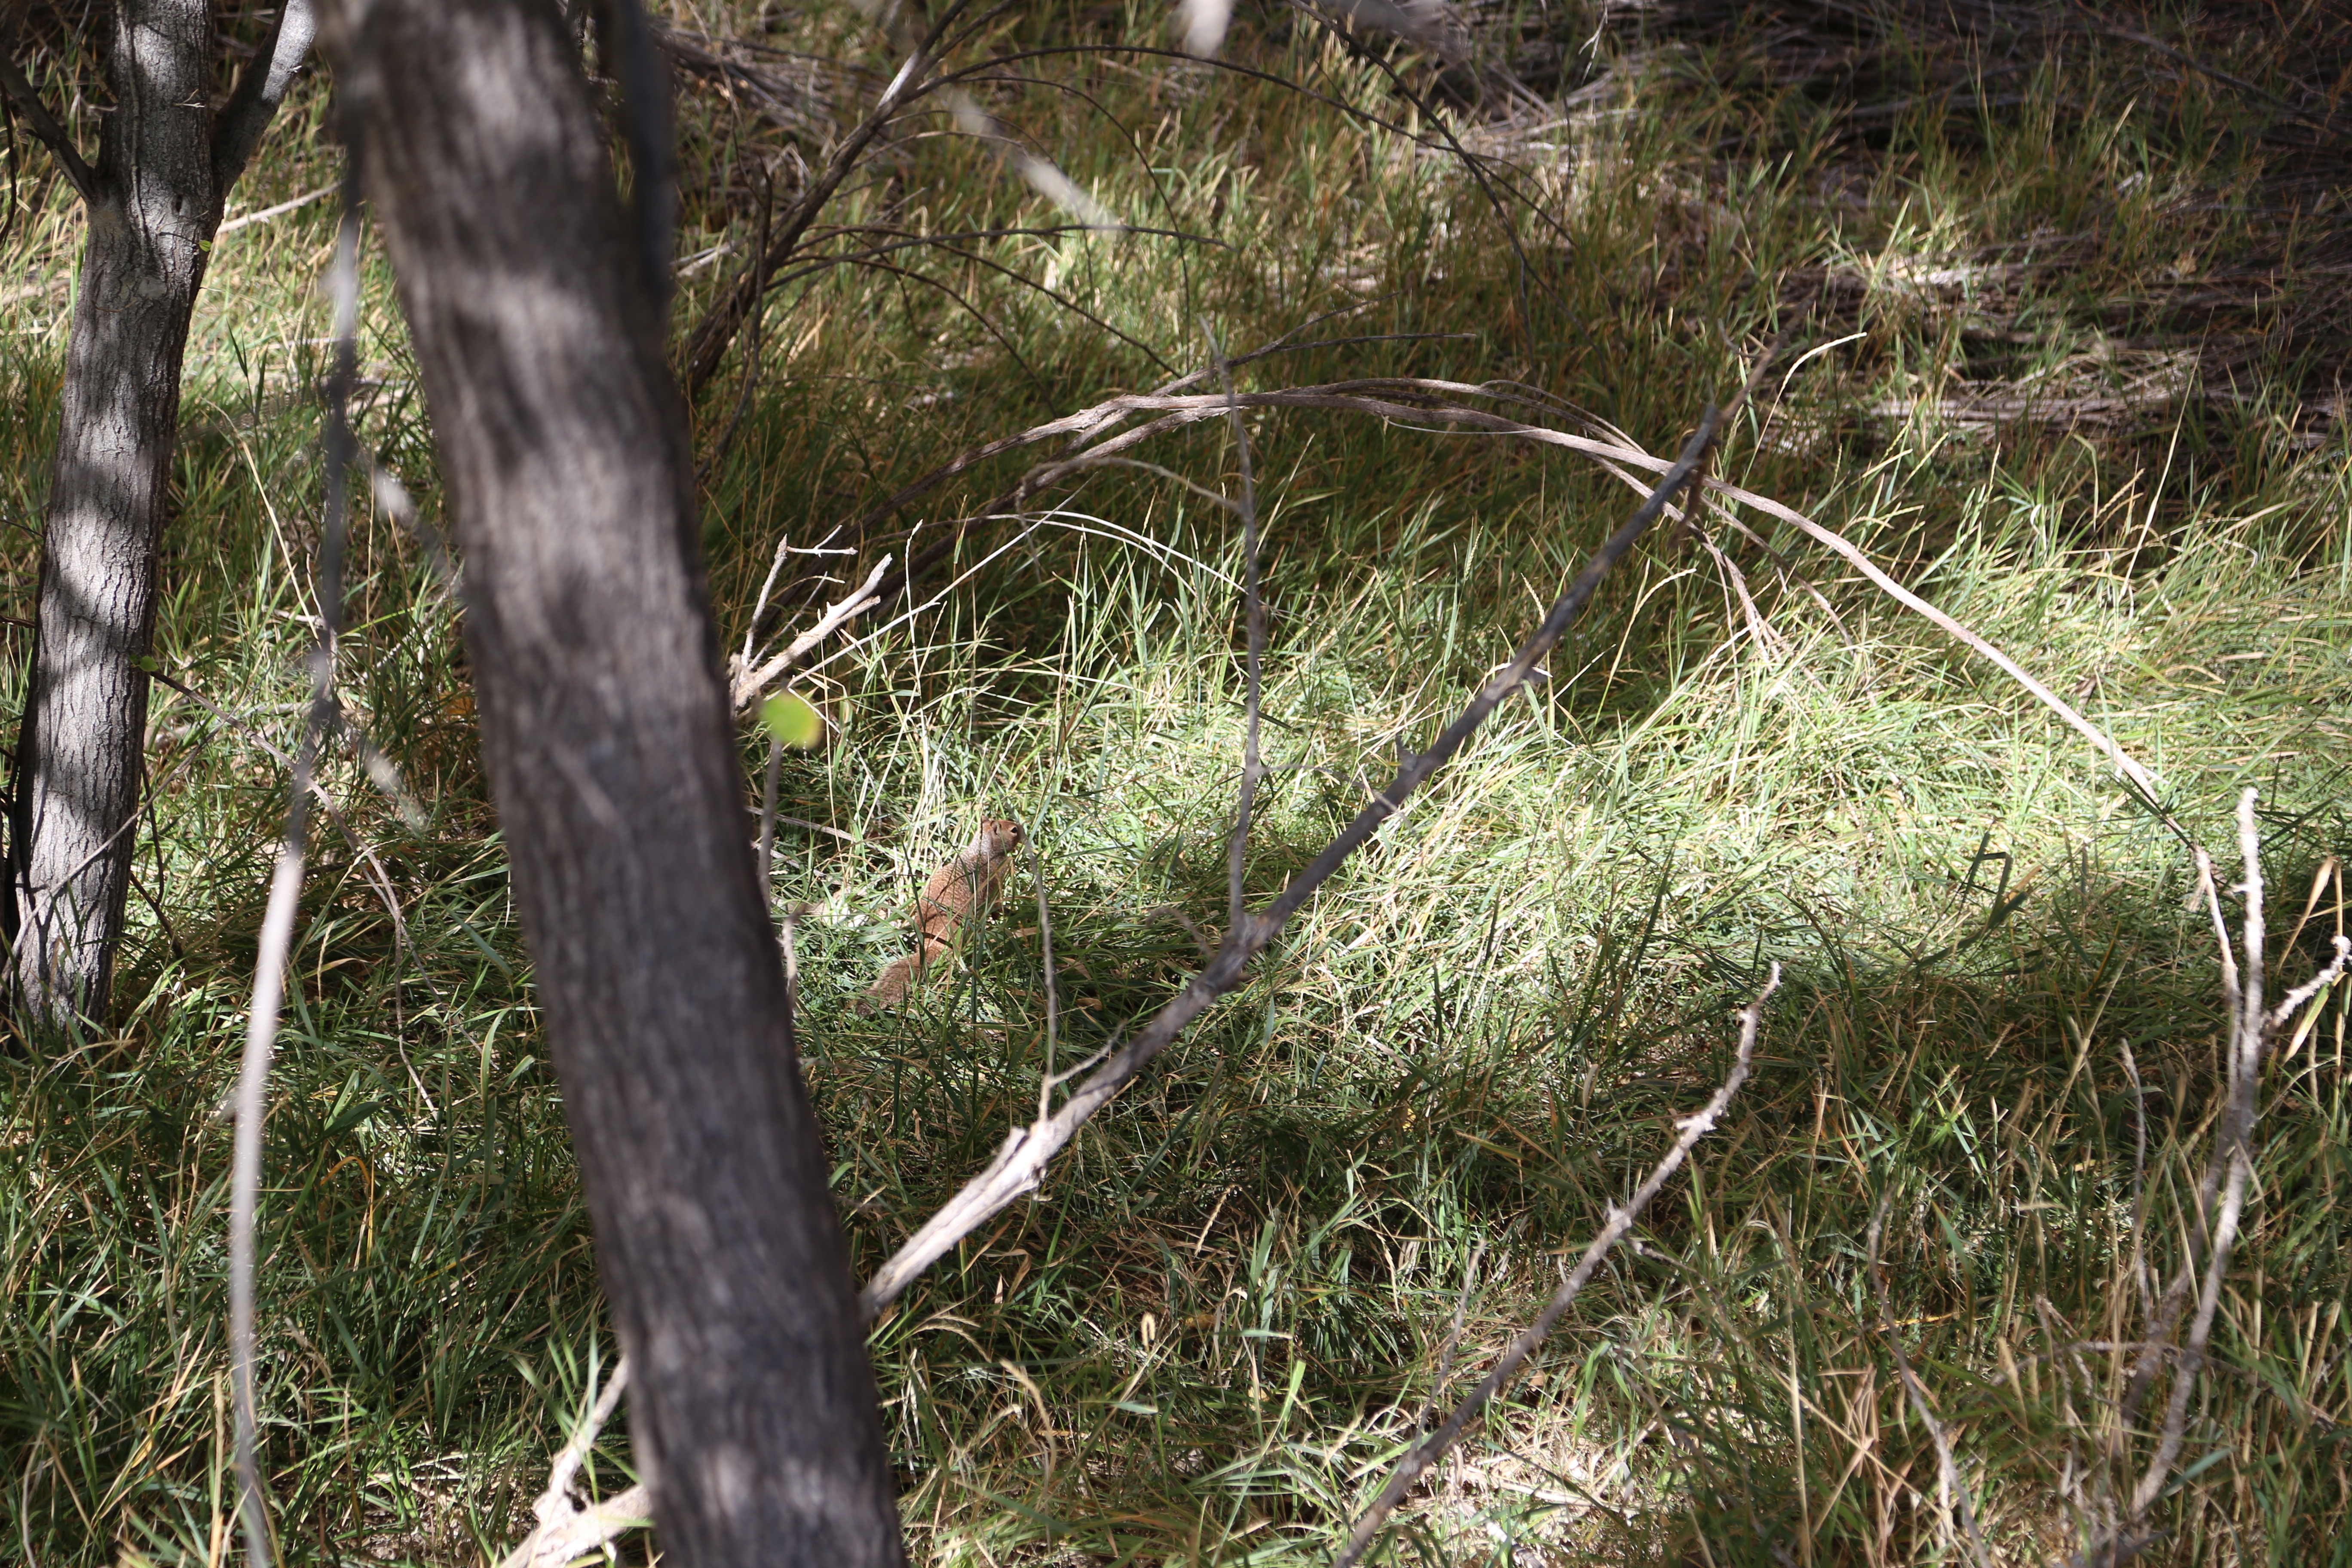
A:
[(964, 890)]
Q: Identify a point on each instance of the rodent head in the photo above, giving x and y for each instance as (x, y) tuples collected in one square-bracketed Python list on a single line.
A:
[(998, 836)]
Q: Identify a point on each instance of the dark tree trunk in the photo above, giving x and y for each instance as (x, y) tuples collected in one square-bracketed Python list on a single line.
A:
[(605, 721), (152, 203)]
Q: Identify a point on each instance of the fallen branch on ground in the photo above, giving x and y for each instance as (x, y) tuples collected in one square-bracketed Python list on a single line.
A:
[(1621, 1220), (2214, 1233), (569, 1529)]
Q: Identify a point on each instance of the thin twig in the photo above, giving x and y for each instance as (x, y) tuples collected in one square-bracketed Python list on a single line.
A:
[(1621, 1220), (294, 204), (803, 822), (1254, 611), (286, 889), (1018, 1167), (1046, 1081), (2150, 790), (2250, 1028), (1453, 1338), (2141, 1274), (768, 820), (759, 604), (2312, 987), (2221, 1197), (1954, 1490), (2157, 1341)]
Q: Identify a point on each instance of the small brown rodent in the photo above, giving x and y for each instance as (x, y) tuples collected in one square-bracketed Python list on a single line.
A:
[(964, 890)]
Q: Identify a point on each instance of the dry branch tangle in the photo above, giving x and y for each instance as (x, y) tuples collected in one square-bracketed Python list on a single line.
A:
[(1018, 1167), (1095, 435)]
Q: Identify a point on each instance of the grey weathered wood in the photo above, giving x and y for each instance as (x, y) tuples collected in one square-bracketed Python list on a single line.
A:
[(153, 200), (609, 749)]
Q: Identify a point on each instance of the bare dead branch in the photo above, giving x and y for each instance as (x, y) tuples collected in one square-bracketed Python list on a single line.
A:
[(2164, 1318), (1022, 1162), (285, 895), (706, 346), (277, 210), (43, 124), (568, 1529), (2142, 1276), (759, 604), (2150, 790), (590, 1528), (567, 1464), (749, 683), (2296, 999), (2252, 1028), (2214, 1216), (1621, 1220)]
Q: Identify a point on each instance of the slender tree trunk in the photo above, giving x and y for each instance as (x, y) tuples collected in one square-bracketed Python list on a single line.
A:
[(605, 720), (152, 203), (86, 708)]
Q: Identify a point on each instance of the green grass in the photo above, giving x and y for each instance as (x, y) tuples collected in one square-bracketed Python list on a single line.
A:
[(1231, 1303)]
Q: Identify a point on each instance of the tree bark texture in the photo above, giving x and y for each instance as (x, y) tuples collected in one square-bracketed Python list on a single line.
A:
[(86, 707), (606, 727), (164, 171)]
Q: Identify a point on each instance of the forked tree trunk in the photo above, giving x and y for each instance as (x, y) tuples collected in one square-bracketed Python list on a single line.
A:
[(605, 724), (152, 202)]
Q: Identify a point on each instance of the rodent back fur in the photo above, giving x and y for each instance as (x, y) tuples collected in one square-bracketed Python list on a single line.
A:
[(965, 889)]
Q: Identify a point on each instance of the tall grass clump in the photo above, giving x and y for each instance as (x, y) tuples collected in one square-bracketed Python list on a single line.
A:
[(2062, 341)]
